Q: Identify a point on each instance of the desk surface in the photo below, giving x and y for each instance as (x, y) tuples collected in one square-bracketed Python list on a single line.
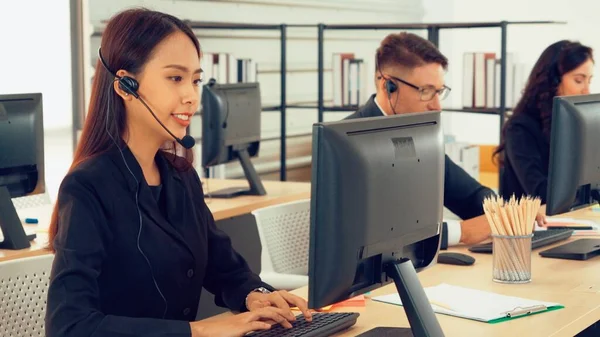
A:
[(277, 193), (574, 284)]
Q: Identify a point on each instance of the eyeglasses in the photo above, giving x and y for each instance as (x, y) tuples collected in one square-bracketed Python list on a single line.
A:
[(428, 92)]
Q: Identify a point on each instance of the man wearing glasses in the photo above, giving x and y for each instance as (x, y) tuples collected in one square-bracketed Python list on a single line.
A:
[(410, 78)]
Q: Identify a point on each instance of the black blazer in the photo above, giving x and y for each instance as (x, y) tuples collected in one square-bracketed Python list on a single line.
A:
[(102, 285), (463, 195), (526, 158)]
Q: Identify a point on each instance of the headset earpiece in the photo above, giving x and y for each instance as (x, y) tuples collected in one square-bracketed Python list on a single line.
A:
[(129, 85), (390, 86), (126, 83)]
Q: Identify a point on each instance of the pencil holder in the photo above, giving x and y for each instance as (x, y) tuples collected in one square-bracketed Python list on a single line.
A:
[(512, 258)]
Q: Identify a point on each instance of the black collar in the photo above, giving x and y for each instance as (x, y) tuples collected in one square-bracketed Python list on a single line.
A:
[(370, 109), (132, 171)]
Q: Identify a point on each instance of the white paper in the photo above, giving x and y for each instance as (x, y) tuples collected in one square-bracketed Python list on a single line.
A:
[(470, 303)]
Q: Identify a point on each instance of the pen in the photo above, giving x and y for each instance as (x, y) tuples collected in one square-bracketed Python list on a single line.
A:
[(526, 311)]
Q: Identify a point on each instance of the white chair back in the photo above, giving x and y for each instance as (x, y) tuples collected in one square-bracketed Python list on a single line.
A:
[(23, 294), (284, 232)]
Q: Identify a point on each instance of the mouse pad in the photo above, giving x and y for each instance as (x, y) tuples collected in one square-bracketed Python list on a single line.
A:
[(387, 332)]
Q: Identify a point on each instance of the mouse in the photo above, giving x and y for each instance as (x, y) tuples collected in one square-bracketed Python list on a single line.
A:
[(456, 259)]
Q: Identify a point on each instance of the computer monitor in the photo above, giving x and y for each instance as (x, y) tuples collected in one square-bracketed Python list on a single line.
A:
[(231, 130), (376, 210), (574, 153), (21, 161)]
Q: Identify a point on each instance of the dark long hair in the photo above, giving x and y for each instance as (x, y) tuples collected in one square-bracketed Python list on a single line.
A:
[(127, 43), (542, 85)]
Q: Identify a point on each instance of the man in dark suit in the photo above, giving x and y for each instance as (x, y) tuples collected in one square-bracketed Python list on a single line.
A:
[(410, 78)]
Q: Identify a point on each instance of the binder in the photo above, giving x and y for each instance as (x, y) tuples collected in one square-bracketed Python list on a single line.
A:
[(477, 305)]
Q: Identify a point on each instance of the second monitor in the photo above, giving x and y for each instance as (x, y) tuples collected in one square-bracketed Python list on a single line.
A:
[(376, 210), (21, 161), (231, 121), (574, 165)]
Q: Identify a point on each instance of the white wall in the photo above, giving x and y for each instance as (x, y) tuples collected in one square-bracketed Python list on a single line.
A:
[(35, 55), (527, 42)]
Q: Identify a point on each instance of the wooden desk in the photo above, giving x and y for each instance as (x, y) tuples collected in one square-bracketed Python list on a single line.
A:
[(574, 284), (277, 192)]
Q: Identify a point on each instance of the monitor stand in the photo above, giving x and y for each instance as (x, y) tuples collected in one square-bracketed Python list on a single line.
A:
[(421, 317), (10, 224), (256, 186)]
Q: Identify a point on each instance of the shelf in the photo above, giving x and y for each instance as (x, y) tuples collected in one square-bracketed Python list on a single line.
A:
[(232, 25), (440, 25), (483, 111), (271, 108), (350, 108)]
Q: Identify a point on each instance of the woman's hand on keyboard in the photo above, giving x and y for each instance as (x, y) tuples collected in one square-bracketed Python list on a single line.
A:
[(280, 299), (240, 324)]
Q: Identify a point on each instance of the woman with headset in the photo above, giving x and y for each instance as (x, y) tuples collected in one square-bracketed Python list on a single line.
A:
[(564, 69), (134, 241)]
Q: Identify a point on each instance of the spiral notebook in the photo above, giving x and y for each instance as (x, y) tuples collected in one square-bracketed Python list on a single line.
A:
[(476, 304)]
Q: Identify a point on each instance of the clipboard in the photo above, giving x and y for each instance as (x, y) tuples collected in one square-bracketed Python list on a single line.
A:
[(521, 312), (477, 305)]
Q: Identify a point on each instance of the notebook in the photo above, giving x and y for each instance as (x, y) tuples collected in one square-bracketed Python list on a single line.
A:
[(589, 228), (477, 305)]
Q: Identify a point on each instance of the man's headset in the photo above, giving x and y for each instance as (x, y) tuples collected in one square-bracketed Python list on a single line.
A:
[(390, 86), (130, 85)]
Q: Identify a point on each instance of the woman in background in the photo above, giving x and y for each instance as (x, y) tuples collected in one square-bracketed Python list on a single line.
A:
[(564, 69)]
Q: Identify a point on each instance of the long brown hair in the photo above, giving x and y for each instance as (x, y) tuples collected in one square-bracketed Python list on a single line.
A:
[(127, 43), (542, 85)]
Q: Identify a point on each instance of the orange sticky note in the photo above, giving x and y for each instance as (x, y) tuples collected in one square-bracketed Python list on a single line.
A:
[(357, 301)]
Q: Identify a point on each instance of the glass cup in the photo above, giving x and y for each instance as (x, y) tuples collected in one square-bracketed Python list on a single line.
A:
[(511, 258)]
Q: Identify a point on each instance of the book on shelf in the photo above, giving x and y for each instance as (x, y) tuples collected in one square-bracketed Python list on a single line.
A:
[(246, 70), (226, 68), (481, 80), (463, 154), (349, 79)]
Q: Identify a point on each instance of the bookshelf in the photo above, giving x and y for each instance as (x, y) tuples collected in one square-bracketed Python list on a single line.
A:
[(282, 28), (433, 32)]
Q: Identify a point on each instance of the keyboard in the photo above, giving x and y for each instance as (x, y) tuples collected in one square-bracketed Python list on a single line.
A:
[(540, 239), (323, 324)]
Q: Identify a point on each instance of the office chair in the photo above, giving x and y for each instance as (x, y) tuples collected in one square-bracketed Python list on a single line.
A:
[(23, 287), (284, 236)]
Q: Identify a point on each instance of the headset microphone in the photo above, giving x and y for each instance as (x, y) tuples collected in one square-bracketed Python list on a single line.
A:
[(131, 85), (187, 141)]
